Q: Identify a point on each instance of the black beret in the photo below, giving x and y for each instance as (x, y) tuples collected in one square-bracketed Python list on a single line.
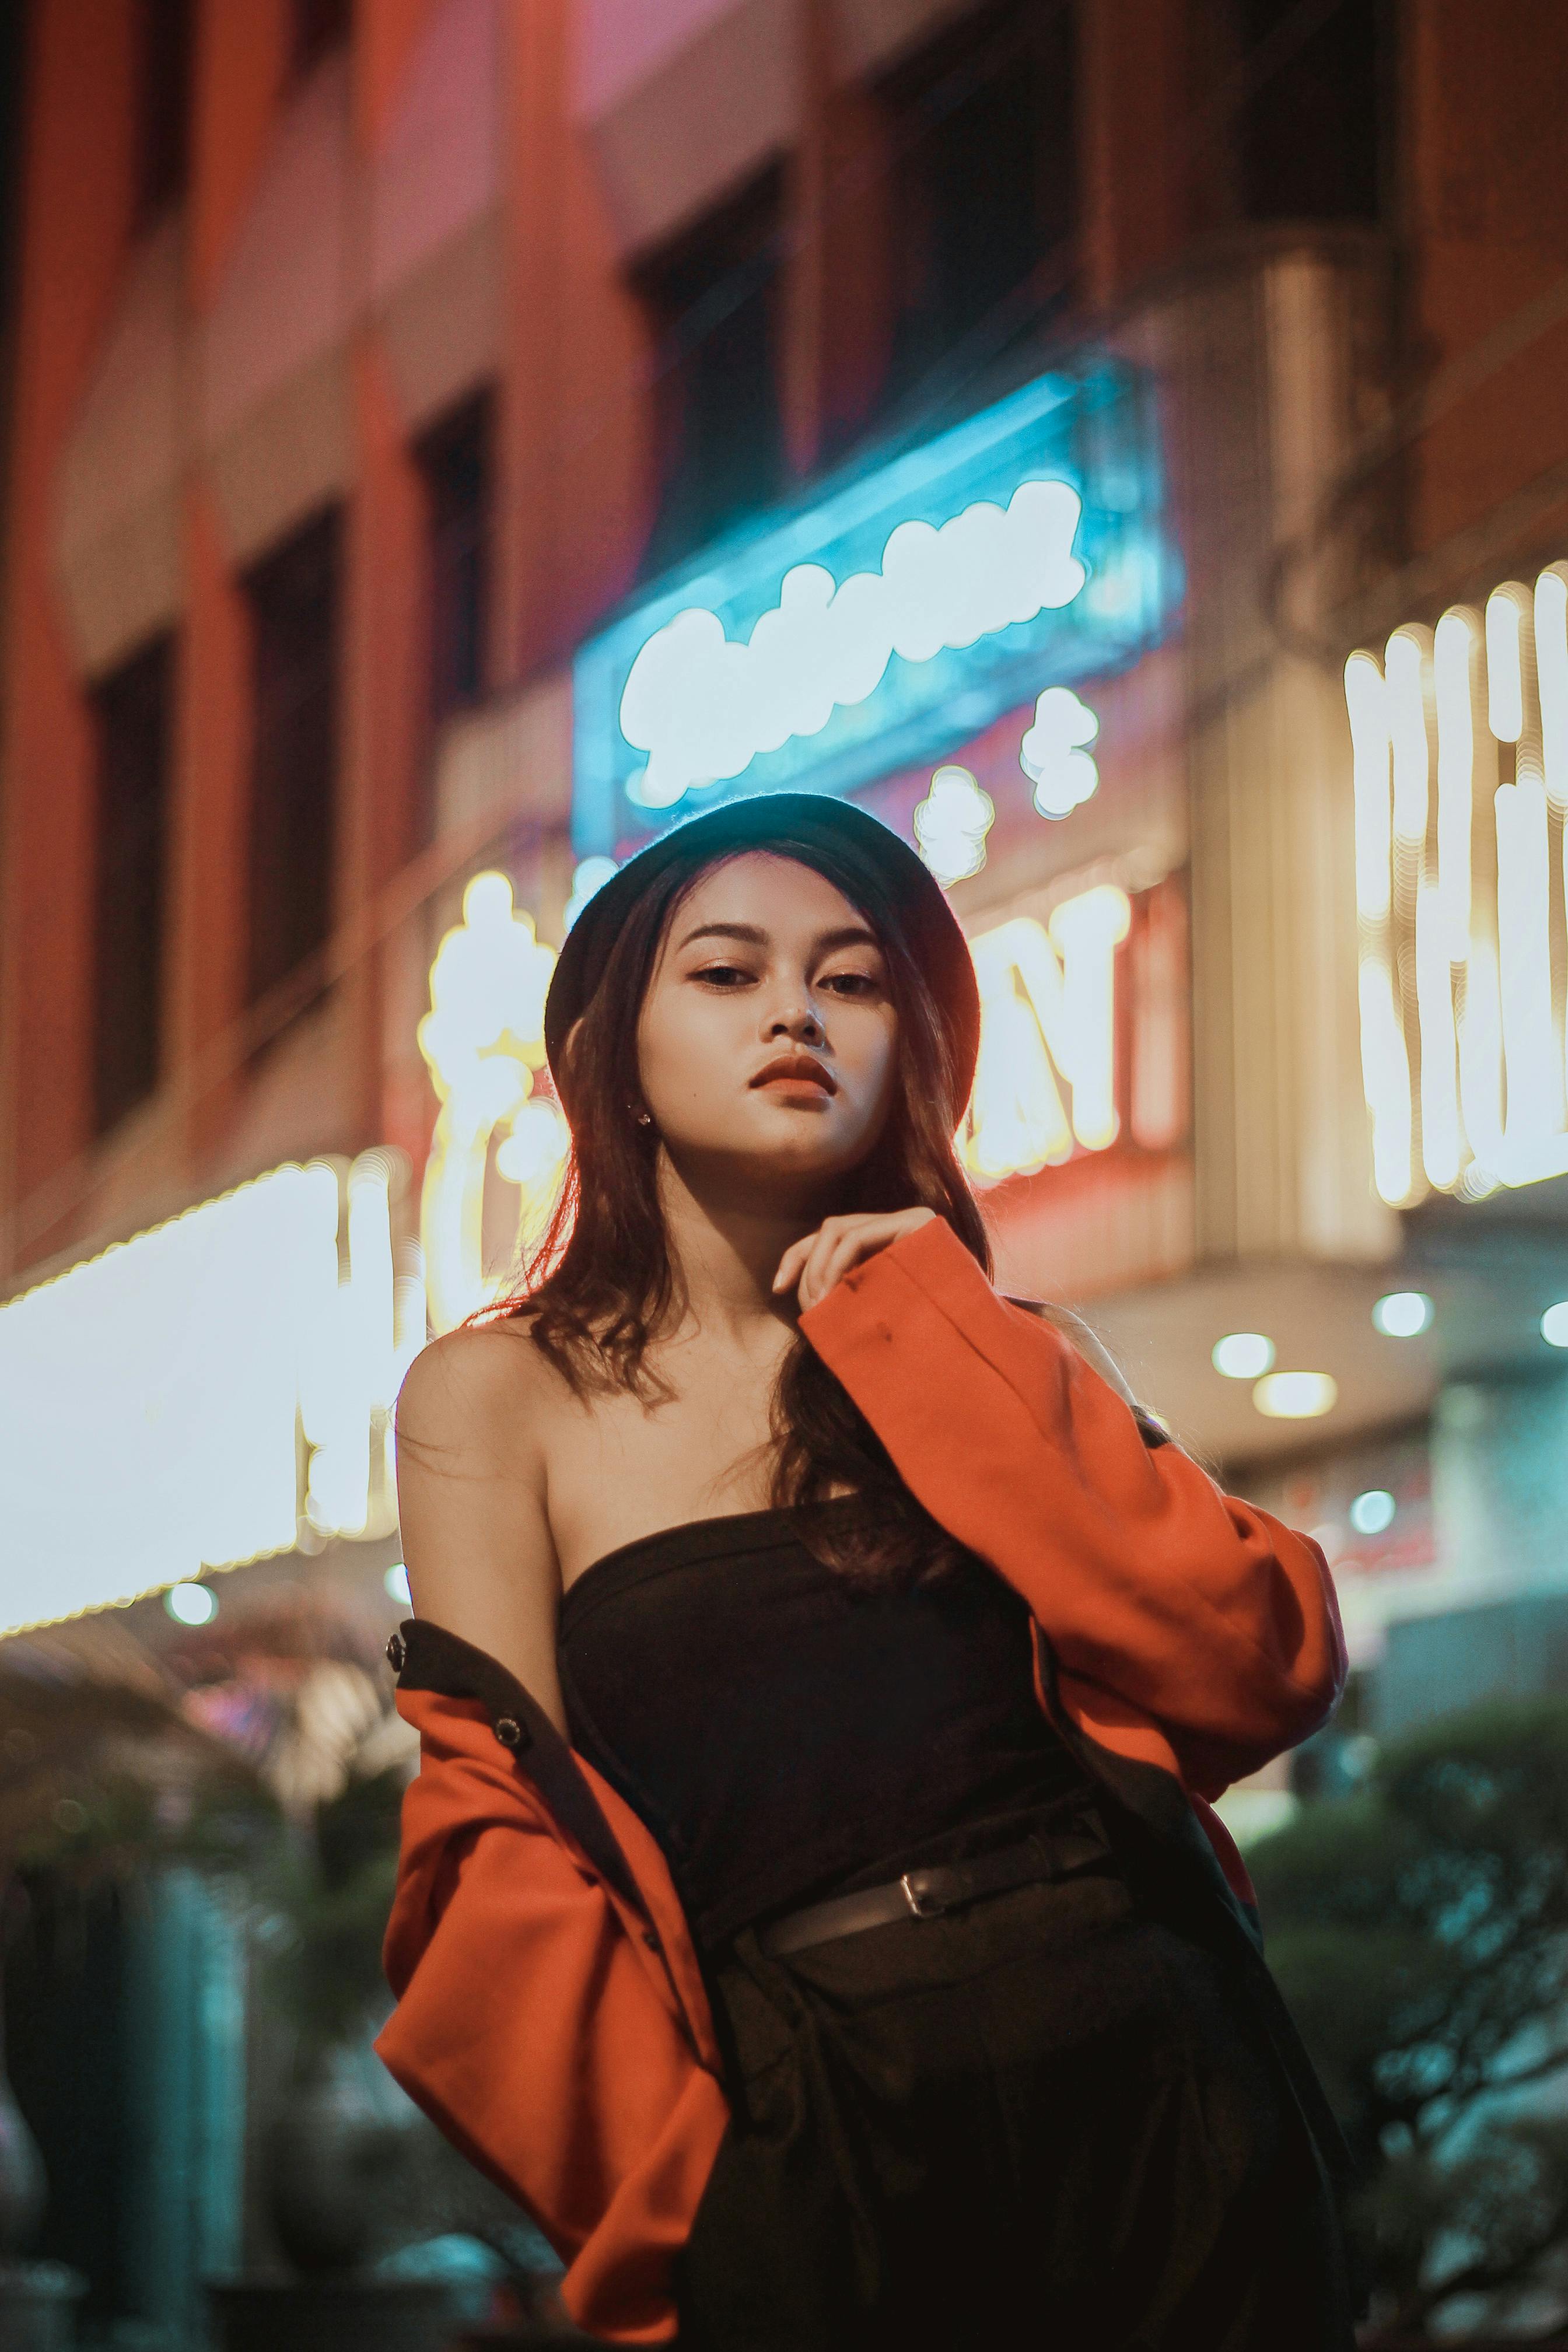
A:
[(762, 822)]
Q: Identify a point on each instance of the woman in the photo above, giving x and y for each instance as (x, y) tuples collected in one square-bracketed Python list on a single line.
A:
[(809, 1905)]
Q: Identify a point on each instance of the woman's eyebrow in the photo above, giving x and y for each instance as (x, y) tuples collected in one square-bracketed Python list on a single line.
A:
[(750, 934), (849, 934)]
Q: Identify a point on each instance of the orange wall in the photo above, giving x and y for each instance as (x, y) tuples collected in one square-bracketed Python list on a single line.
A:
[(1486, 99), (77, 200), (574, 488)]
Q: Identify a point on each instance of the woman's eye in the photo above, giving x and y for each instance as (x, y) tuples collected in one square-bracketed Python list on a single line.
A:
[(850, 983), (721, 975)]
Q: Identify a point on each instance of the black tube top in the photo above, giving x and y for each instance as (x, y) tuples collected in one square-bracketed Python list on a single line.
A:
[(786, 1735)]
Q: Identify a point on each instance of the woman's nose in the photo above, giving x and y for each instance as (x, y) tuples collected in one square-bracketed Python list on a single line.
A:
[(800, 1022)]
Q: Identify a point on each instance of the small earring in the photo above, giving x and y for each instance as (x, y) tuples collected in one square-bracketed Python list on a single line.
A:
[(643, 1118)]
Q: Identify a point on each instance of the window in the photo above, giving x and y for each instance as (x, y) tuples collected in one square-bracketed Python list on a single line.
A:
[(163, 30), (1312, 134), (982, 131), (319, 27), (133, 710), (712, 296), (294, 600), (455, 462)]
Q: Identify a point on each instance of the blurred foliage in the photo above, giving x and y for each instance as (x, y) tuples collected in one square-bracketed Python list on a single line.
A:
[(261, 1749), (1419, 1931)]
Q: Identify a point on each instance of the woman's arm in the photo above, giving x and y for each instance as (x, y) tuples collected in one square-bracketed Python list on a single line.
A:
[(537, 2023), (1170, 1605), (471, 1502)]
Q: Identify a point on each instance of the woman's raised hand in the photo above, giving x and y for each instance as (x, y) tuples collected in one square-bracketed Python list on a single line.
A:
[(811, 1265)]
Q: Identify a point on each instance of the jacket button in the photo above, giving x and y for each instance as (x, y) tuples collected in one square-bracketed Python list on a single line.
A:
[(508, 1730), (397, 1650)]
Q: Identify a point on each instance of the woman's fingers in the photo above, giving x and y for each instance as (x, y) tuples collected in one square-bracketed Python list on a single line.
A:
[(814, 1263), (793, 1260)]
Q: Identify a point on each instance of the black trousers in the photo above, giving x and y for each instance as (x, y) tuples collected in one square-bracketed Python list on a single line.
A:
[(1044, 2120)]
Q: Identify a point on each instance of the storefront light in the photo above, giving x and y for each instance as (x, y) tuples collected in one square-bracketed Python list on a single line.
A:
[(592, 874), (1296, 1396), (483, 1039), (191, 1605), (878, 622), (161, 1397), (1054, 752), (951, 823), (1554, 1325), (1460, 941), (1243, 1355), (1372, 1511), (1403, 1314), (702, 705), (1047, 1005)]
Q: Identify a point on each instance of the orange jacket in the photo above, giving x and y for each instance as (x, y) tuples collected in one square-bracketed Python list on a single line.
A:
[(552, 2016)]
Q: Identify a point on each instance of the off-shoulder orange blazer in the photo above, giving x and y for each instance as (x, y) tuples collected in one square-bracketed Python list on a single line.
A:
[(551, 2014)]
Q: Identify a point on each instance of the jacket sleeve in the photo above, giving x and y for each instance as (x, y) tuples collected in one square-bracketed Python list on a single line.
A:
[(531, 2029), (1164, 1600)]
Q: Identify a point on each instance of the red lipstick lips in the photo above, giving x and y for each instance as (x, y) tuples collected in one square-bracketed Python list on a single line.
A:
[(803, 1068)]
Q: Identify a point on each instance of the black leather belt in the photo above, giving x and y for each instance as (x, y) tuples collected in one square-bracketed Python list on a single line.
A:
[(926, 1893)]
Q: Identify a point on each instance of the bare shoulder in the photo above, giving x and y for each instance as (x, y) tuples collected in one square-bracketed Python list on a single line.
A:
[(475, 1388), (1085, 1338), (472, 1443)]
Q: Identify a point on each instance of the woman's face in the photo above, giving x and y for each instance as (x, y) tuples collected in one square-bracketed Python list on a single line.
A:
[(768, 1044)]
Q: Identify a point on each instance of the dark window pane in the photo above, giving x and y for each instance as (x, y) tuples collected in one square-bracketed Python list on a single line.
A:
[(454, 459), (318, 26), (133, 710), (713, 297), (163, 30), (1311, 132), (984, 182), (294, 600)]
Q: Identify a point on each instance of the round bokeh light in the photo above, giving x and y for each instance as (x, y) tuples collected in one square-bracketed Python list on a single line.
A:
[(191, 1605), (1243, 1355), (1403, 1314), (1372, 1511)]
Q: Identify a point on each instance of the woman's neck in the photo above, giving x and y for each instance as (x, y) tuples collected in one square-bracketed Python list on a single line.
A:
[(725, 1242)]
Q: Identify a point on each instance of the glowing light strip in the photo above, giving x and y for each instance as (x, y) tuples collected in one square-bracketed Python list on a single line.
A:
[(1047, 1020), (1453, 658), (1505, 683), (156, 1395), (483, 1038), (1367, 703), (703, 705), (1404, 669), (1441, 1140), (1552, 681), (1493, 1094)]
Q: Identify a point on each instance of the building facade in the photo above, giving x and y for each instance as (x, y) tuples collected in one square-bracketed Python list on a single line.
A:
[(393, 386), (389, 384), (451, 439)]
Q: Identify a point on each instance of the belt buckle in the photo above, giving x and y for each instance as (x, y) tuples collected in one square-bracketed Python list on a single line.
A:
[(922, 1902)]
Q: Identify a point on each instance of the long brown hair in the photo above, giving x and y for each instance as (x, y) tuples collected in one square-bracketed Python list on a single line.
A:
[(600, 1284)]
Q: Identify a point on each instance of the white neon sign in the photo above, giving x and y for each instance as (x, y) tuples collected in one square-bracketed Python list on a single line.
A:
[(951, 823), (1459, 740), (156, 1395), (483, 1039), (1047, 1008), (703, 705), (1055, 755)]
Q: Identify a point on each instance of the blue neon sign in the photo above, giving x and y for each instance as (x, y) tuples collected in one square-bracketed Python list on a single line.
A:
[(888, 621)]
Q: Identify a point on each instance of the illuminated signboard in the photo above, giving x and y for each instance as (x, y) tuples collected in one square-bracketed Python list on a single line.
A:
[(885, 622), (184, 1400), (1460, 746)]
